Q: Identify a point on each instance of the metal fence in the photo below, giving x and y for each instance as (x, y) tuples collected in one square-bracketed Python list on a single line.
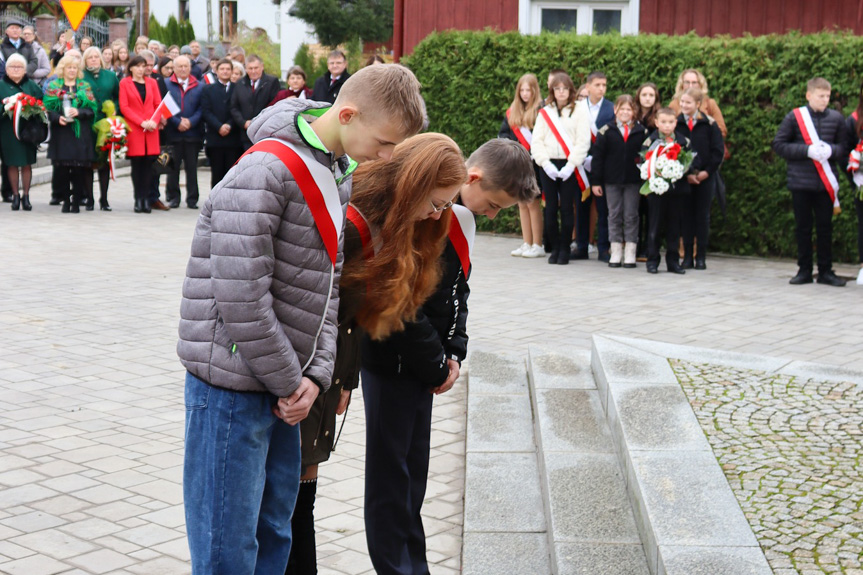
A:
[(92, 27)]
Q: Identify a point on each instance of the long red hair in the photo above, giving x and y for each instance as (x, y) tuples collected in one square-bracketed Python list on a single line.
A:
[(405, 271)]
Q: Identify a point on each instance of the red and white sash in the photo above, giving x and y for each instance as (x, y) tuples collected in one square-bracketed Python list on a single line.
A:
[(523, 134), (562, 138), (317, 185), (810, 136), (462, 230), (357, 218)]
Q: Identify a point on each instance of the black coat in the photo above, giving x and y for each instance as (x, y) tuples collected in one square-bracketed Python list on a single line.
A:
[(216, 111), (706, 141), (439, 332), (616, 161), (681, 186), (789, 144), (7, 48), (65, 148), (323, 92), (246, 104), (853, 139)]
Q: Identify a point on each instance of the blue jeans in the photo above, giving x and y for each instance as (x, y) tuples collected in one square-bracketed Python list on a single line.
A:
[(241, 474)]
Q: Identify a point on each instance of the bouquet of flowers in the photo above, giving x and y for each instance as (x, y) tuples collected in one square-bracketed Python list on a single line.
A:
[(854, 168), (111, 133), (21, 106), (662, 166)]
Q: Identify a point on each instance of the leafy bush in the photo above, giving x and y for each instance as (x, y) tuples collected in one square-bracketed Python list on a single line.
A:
[(470, 79), (173, 32)]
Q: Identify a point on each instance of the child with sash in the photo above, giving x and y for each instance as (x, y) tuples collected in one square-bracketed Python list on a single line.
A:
[(666, 208), (561, 140), (706, 140), (402, 373), (601, 112), (812, 139), (259, 312), (394, 233), (615, 170), (517, 126)]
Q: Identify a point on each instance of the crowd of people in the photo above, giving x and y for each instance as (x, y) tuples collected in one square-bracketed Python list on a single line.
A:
[(588, 152), (217, 99)]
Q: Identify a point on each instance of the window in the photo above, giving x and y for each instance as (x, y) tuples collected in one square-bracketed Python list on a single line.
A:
[(557, 20), (581, 16), (605, 21)]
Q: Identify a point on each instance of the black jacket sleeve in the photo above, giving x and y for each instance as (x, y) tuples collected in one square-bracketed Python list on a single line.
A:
[(840, 146), (456, 347), (506, 131), (236, 109), (597, 166), (717, 150), (210, 119), (786, 143), (421, 352)]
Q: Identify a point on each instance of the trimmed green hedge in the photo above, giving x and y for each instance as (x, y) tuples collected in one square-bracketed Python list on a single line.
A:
[(469, 80)]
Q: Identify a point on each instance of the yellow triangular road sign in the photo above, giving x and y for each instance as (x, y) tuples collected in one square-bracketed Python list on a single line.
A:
[(75, 11)]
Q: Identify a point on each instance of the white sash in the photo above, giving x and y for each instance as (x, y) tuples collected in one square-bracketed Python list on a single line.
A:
[(554, 118), (810, 136), (467, 222), (528, 135)]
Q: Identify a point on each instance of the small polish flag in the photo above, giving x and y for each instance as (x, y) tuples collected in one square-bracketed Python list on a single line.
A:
[(167, 108), (209, 78)]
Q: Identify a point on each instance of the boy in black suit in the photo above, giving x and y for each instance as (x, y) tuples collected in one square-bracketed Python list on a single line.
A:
[(223, 145)]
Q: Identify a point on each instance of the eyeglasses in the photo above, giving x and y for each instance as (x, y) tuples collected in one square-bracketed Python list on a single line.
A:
[(437, 209)]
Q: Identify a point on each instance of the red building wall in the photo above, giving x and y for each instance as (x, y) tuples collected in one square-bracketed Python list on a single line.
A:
[(416, 19), (735, 17)]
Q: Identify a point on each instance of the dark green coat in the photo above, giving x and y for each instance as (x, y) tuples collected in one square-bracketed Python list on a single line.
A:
[(105, 87), (15, 152)]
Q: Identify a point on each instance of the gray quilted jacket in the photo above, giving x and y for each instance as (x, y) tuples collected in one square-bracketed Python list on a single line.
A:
[(260, 299)]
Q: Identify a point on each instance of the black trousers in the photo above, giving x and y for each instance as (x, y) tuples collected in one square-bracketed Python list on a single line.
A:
[(187, 153), (814, 207), (142, 175), (6, 186), (398, 440), (559, 196), (71, 182), (696, 215), (859, 206), (665, 208), (221, 160), (643, 224)]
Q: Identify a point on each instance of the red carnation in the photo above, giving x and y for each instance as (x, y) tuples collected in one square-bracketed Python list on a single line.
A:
[(671, 152)]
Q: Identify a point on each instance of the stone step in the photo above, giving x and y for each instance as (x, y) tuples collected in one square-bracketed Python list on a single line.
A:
[(591, 525), (687, 516)]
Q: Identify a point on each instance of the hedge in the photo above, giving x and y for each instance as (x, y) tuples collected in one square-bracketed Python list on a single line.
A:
[(469, 80)]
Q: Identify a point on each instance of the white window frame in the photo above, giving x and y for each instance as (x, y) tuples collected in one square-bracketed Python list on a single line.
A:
[(530, 14)]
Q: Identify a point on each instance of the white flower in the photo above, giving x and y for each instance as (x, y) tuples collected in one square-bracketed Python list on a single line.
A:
[(661, 162), (645, 172), (658, 186)]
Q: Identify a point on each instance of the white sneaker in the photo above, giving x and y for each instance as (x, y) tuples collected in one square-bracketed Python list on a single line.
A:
[(573, 246), (860, 277), (534, 251), (520, 250), (591, 249)]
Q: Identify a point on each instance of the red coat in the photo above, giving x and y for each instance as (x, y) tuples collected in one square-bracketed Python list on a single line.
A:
[(139, 142)]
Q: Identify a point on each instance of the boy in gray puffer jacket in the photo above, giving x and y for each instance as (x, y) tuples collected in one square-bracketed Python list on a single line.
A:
[(259, 308)]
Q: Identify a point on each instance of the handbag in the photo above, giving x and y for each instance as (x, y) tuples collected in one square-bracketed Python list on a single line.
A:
[(32, 131), (165, 162)]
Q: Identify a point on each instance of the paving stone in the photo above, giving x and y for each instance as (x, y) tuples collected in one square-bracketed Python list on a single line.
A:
[(34, 565), (711, 561), (502, 493), (486, 553), (572, 420), (499, 423), (593, 558), (560, 368), (587, 498), (496, 374)]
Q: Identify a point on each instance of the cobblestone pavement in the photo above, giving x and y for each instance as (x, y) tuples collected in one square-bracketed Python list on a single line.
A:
[(790, 449), (91, 418)]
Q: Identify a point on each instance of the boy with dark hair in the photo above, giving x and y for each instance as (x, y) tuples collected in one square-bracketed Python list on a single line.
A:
[(259, 308), (601, 113), (812, 139), (401, 374)]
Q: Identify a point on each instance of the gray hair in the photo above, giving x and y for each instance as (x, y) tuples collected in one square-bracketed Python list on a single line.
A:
[(16, 57), (148, 55), (240, 67)]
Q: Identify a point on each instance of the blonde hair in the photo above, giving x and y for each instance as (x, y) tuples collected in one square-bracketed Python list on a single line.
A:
[(388, 94), (521, 114), (702, 82), (90, 50), (817, 83), (60, 68), (695, 93)]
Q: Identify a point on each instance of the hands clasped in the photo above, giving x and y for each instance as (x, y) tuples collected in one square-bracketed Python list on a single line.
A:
[(820, 152), (295, 408)]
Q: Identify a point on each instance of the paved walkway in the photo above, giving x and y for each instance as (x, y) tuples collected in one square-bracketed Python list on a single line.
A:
[(91, 417)]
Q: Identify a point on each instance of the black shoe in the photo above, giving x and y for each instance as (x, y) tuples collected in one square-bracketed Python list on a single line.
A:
[(604, 257), (54, 202), (687, 262), (802, 277), (674, 267), (7, 199), (552, 258), (90, 205), (76, 207), (831, 279), (563, 258), (16, 203), (82, 202), (67, 207), (192, 205), (138, 208), (103, 206), (652, 268), (578, 255), (25, 203), (145, 206), (175, 203), (700, 264)]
